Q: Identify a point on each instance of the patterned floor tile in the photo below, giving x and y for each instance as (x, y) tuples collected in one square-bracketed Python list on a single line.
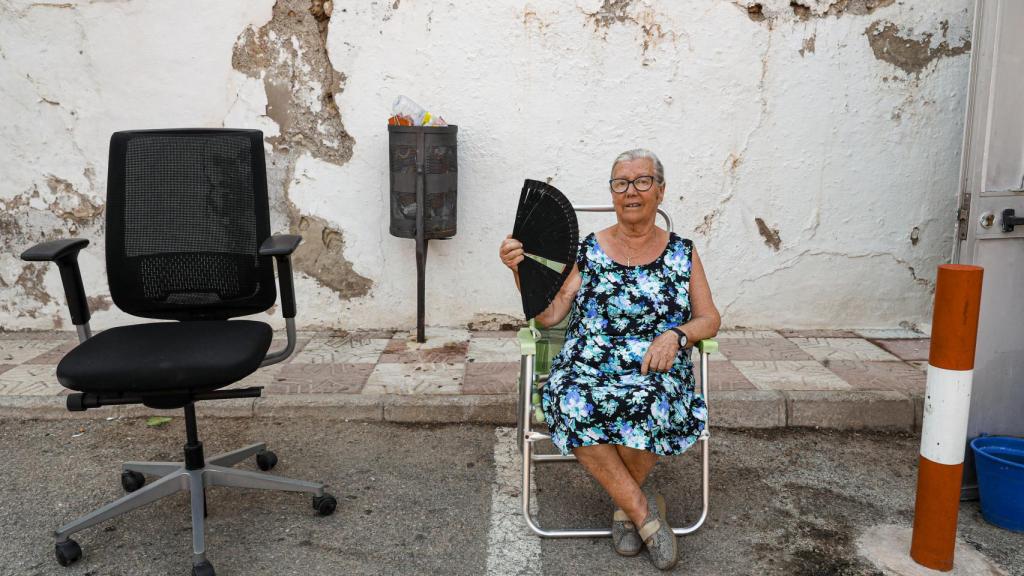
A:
[(916, 349), (341, 350), (493, 350), (30, 380), (400, 351), (261, 377), (921, 365), (54, 356), (747, 334), (879, 375), (790, 375), (491, 378), (436, 337), (817, 334), (724, 376), (55, 335), (300, 345), (20, 351), (415, 379), (320, 379), (502, 334), (890, 333), (761, 349), (822, 349)]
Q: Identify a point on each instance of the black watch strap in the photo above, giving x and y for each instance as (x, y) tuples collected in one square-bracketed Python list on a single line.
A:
[(682, 336)]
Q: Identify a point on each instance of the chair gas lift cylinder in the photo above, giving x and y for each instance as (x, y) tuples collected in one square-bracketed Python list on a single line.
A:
[(424, 173)]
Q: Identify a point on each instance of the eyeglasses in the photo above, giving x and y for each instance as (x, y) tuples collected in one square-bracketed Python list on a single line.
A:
[(641, 184)]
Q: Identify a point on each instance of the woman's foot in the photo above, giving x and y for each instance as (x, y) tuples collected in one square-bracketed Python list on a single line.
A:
[(625, 538), (657, 534)]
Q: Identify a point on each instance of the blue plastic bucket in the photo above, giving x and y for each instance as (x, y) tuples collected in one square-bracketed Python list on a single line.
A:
[(999, 461)]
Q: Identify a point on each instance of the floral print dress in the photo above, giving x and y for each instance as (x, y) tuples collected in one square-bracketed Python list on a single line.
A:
[(595, 393)]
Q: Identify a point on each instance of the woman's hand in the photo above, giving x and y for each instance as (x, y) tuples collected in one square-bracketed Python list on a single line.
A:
[(661, 354), (511, 253)]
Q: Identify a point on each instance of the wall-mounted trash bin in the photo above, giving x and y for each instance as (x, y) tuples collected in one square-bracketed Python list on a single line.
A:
[(423, 163)]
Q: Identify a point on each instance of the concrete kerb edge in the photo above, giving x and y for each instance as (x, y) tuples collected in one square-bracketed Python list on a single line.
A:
[(850, 409), (839, 409)]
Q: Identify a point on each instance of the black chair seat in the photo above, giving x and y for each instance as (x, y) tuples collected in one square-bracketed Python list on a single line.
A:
[(166, 357)]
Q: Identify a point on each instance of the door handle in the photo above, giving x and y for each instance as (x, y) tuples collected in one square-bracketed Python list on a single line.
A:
[(1010, 220)]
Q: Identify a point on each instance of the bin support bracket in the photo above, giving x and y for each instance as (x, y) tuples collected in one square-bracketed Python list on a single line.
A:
[(421, 241)]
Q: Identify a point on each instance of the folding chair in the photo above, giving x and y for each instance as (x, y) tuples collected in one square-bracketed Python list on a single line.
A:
[(537, 348)]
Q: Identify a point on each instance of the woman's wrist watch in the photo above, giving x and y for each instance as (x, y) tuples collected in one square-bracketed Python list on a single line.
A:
[(683, 339)]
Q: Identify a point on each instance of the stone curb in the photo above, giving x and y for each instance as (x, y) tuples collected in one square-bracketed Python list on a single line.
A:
[(835, 409), (850, 409), (747, 409)]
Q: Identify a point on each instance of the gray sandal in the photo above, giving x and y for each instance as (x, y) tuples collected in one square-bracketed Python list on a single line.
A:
[(625, 538), (657, 534)]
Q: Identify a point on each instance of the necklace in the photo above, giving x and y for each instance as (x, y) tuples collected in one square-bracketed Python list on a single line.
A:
[(625, 247)]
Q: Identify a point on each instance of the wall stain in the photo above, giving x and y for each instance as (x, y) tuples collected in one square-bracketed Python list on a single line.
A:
[(906, 53), (31, 280), (614, 12), (771, 235), (97, 303), (808, 45), (494, 321), (704, 228), (289, 54), (803, 10), (68, 213)]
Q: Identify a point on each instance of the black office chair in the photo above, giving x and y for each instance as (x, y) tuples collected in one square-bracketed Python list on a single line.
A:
[(188, 239)]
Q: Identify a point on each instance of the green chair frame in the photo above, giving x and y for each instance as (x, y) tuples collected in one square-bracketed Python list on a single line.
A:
[(538, 347)]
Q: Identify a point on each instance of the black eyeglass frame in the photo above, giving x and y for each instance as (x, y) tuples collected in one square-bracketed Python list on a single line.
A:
[(611, 186)]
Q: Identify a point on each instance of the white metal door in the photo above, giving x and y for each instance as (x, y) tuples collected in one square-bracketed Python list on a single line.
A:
[(992, 181)]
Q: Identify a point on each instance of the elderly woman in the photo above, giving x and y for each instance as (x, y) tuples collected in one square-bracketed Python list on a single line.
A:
[(621, 391)]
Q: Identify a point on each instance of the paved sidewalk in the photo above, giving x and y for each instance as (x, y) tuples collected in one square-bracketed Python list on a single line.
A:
[(762, 378)]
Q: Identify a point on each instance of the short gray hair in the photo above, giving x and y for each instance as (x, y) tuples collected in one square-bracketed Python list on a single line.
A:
[(640, 154)]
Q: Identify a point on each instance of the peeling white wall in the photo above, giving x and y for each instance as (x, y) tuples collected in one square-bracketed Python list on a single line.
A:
[(788, 117)]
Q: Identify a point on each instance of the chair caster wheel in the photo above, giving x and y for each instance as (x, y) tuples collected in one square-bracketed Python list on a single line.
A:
[(68, 552), (204, 569), (324, 505), (266, 460), (132, 480)]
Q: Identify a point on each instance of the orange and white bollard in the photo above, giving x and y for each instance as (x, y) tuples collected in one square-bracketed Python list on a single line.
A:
[(946, 408)]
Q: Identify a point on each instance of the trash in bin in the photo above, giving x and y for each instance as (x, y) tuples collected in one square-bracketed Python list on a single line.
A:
[(405, 112), (999, 461)]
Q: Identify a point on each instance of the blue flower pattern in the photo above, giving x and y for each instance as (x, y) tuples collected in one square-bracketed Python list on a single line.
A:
[(596, 393)]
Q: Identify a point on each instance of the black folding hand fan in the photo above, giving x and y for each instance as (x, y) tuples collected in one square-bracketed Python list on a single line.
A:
[(546, 225)]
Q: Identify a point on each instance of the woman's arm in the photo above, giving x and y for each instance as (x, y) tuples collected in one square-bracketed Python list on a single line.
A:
[(704, 317), (562, 303), (511, 253), (704, 323)]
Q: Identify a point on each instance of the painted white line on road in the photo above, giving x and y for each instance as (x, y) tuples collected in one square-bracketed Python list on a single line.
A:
[(512, 549)]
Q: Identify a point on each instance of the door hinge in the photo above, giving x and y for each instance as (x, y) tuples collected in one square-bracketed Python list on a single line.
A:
[(961, 215)]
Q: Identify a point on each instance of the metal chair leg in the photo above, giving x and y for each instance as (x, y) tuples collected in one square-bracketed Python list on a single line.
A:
[(170, 484), (527, 437), (197, 488), (236, 456), (221, 476), (152, 468)]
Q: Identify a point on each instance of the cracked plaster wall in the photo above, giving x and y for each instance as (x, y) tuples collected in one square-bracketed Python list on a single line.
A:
[(811, 148)]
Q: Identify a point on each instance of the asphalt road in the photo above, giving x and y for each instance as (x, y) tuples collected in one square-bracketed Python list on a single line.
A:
[(442, 500)]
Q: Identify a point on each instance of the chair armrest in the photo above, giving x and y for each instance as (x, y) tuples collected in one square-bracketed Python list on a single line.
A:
[(527, 342), (281, 247), (708, 346), (64, 253)]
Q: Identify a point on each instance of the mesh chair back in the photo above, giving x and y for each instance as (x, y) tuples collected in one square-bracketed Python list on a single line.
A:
[(186, 213)]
